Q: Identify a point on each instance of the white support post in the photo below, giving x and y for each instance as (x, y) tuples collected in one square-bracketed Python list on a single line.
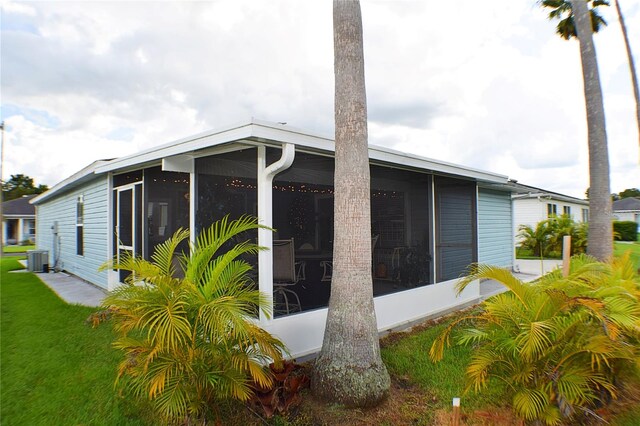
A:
[(265, 239), (265, 215), (20, 231), (192, 202)]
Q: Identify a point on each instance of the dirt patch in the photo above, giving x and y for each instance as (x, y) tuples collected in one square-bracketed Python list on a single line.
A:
[(407, 404)]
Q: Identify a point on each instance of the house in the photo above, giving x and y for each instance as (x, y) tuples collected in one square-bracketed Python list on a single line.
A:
[(430, 220), (18, 221), (532, 205), (627, 209)]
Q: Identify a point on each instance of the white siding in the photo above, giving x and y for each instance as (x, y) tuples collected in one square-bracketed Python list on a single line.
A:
[(530, 211), (495, 239), (62, 209)]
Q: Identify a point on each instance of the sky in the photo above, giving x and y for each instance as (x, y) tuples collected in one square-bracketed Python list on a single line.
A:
[(488, 85)]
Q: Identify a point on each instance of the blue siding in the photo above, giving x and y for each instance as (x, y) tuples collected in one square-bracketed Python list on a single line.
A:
[(62, 209), (495, 240)]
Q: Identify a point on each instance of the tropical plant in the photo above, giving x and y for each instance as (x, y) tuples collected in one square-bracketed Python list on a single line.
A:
[(284, 393), (349, 369), (564, 225), (563, 10), (187, 327), (562, 344), (546, 238), (600, 229), (535, 238)]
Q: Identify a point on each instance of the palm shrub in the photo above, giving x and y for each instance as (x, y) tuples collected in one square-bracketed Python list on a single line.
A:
[(535, 238), (561, 344), (564, 225), (546, 238), (187, 328)]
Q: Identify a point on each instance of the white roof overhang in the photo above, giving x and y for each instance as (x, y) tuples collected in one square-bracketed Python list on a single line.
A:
[(258, 132)]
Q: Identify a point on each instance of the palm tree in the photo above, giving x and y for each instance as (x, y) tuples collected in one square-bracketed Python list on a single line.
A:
[(632, 67), (600, 244), (349, 369), (185, 323), (559, 343), (562, 10), (535, 238)]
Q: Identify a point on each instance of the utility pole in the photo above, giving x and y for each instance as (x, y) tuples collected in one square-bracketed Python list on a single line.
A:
[(2, 192)]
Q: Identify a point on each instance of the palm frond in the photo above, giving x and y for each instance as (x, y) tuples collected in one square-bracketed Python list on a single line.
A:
[(190, 340), (534, 339), (502, 275), (164, 253), (530, 403)]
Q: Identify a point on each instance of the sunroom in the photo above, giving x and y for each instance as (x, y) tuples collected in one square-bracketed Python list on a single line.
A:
[(430, 219)]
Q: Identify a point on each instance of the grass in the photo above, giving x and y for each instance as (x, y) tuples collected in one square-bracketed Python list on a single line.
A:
[(58, 370), (633, 247), (618, 249), (17, 249), (409, 357), (55, 368)]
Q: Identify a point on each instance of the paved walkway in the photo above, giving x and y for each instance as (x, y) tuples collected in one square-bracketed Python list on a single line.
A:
[(76, 291), (72, 289)]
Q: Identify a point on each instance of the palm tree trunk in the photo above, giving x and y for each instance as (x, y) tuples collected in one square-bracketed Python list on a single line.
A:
[(632, 67), (600, 239), (349, 369)]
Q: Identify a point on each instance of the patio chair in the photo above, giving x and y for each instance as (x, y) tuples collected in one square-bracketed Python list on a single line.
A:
[(286, 273), (327, 265)]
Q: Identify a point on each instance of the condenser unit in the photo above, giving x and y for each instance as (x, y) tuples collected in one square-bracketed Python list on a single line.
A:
[(38, 260)]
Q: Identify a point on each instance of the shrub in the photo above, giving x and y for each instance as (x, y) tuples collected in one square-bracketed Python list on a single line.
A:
[(545, 239), (187, 330), (625, 230), (561, 343)]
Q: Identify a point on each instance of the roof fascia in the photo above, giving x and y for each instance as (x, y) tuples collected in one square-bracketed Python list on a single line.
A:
[(396, 157), (77, 178)]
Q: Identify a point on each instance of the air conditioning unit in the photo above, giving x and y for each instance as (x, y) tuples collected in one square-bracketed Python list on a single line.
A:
[(38, 260)]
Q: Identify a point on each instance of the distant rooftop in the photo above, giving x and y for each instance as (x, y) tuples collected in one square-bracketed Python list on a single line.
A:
[(19, 207), (626, 204), (526, 191)]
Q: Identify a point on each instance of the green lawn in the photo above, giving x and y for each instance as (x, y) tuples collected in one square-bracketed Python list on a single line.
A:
[(618, 249), (55, 369), (58, 370), (17, 249), (409, 357), (634, 248)]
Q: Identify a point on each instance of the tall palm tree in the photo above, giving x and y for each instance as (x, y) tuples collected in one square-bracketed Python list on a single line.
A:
[(632, 67), (349, 369), (566, 28), (600, 243)]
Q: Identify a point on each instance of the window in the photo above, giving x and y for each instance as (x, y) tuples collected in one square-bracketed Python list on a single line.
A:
[(552, 210), (585, 215), (80, 226), (566, 210)]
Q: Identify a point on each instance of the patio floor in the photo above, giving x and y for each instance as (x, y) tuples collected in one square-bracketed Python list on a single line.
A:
[(76, 291)]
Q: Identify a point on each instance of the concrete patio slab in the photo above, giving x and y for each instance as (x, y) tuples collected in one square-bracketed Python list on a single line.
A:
[(72, 289)]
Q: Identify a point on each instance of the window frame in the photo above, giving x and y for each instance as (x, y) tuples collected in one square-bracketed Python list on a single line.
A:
[(80, 225)]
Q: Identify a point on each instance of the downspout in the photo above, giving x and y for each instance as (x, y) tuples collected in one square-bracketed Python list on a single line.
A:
[(265, 215)]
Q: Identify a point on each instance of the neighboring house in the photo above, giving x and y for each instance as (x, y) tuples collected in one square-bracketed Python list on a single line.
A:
[(532, 205), (430, 219), (627, 209), (18, 221)]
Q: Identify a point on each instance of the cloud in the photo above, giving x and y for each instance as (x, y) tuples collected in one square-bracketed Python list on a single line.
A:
[(491, 88)]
